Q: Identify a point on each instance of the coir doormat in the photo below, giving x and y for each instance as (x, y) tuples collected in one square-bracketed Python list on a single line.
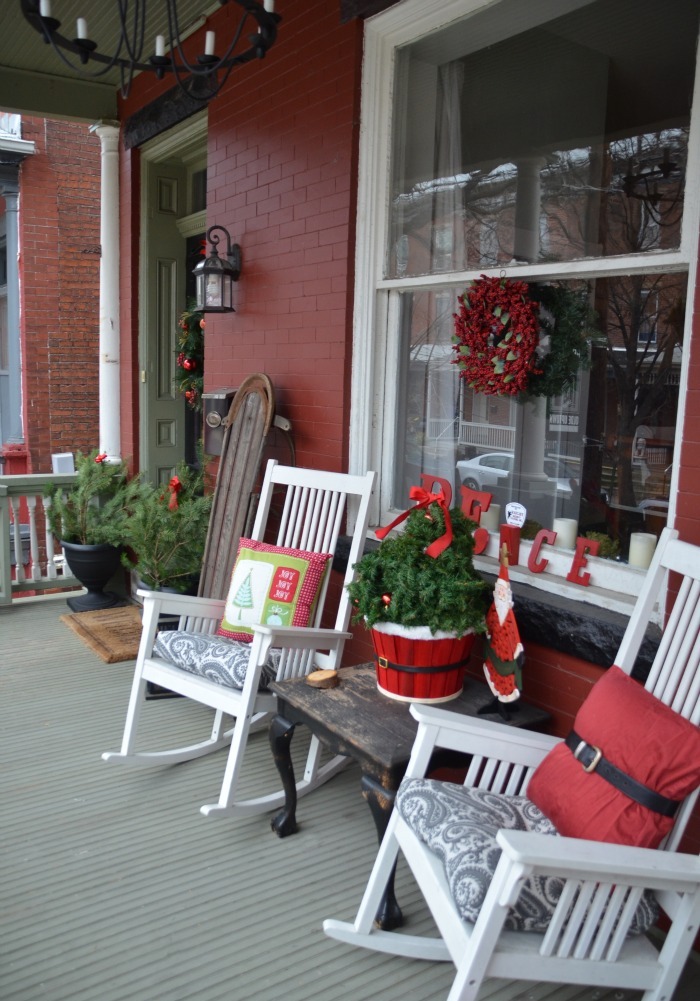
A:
[(112, 633)]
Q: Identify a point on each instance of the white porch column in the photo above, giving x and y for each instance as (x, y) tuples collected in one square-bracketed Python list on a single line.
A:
[(109, 366), (13, 432)]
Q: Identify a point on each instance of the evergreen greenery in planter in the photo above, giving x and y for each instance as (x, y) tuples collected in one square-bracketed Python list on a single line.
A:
[(400, 583), (423, 602), (167, 530), (94, 510)]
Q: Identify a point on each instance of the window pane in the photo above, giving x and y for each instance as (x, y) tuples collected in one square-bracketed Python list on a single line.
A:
[(601, 453), (563, 139)]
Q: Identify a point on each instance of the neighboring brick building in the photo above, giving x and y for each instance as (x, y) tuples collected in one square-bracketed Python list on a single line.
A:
[(58, 235)]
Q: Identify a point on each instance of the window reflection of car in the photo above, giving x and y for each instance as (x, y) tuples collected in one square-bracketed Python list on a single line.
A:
[(486, 471)]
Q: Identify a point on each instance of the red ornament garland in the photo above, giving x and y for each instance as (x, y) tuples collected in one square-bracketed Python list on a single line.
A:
[(496, 336), (190, 358)]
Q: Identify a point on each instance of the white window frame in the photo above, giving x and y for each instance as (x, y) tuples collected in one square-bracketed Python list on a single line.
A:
[(376, 304)]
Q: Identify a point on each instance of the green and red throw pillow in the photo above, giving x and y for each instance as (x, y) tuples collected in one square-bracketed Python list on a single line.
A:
[(272, 585)]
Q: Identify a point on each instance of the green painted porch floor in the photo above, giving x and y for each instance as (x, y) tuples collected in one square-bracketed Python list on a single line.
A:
[(114, 887)]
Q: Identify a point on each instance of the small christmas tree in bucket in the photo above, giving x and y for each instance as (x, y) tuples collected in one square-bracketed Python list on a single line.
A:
[(423, 601)]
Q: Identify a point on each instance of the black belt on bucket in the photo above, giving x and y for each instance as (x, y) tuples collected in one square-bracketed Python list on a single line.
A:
[(410, 669), (592, 760)]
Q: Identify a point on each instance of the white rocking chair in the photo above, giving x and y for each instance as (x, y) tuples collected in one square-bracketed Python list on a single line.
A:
[(585, 940), (313, 509)]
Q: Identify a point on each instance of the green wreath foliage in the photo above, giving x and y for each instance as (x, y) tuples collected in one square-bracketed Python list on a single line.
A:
[(566, 316), (189, 375), (398, 582)]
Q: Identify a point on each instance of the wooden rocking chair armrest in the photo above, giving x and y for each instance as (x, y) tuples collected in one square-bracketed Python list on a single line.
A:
[(303, 637), (183, 604), (576, 858), (481, 736)]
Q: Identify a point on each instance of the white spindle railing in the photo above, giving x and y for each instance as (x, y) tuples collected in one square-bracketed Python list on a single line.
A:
[(23, 505)]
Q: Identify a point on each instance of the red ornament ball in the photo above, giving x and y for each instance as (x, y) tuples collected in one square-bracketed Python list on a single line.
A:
[(202, 323), (189, 364), (386, 599)]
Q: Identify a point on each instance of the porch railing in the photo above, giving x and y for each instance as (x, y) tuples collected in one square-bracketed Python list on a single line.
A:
[(500, 437), (495, 436), (30, 561)]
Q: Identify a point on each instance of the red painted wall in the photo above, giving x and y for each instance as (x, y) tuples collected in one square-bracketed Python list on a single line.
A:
[(285, 186), (281, 179), (59, 222)]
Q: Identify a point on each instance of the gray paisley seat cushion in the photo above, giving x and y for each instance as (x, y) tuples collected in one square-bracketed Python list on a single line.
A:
[(220, 660), (459, 825)]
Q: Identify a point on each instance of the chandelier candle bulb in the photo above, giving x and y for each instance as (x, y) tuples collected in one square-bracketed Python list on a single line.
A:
[(210, 43), (642, 546), (45, 8), (269, 6), (160, 46), (567, 530), (491, 519), (81, 28)]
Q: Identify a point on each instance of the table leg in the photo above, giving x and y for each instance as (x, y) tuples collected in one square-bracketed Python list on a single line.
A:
[(381, 803), (280, 734)]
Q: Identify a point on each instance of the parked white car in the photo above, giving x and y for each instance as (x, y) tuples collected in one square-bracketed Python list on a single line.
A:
[(488, 470)]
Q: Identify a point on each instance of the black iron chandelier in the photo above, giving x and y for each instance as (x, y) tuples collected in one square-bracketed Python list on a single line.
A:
[(201, 76)]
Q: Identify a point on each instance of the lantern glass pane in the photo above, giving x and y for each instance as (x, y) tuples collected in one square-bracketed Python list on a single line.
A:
[(213, 295)]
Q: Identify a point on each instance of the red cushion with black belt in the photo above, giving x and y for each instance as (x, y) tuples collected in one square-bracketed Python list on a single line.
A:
[(628, 761)]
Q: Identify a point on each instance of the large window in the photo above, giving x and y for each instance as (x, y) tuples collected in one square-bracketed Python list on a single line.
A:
[(547, 142)]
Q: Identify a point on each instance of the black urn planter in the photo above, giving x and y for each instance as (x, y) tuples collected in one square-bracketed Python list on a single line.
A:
[(94, 566)]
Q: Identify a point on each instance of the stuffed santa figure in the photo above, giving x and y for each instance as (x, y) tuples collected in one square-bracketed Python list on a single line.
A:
[(503, 652)]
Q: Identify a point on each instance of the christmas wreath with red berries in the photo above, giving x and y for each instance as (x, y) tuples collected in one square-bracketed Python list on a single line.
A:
[(190, 359), (509, 343), (496, 336)]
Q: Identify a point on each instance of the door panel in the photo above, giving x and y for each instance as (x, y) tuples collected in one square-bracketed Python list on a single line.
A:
[(162, 407)]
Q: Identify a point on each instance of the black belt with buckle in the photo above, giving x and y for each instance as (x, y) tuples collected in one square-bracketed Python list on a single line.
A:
[(410, 669), (592, 760)]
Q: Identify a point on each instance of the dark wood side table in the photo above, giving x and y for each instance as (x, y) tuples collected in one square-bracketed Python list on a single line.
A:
[(356, 720)]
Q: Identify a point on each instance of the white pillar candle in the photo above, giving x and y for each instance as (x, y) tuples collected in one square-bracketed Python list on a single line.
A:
[(209, 43), (567, 530), (491, 519), (81, 28), (642, 546)]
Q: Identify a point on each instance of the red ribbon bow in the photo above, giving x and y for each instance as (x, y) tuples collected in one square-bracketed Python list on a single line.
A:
[(425, 499), (101, 457), (175, 487)]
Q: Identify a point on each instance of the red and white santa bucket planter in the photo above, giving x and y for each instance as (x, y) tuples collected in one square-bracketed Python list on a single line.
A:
[(422, 600), (413, 665)]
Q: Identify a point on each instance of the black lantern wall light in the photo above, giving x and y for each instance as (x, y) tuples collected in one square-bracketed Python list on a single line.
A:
[(215, 276), (201, 76)]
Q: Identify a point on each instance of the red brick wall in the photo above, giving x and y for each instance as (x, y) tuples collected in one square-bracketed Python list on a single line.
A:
[(283, 185), (59, 274), (281, 179)]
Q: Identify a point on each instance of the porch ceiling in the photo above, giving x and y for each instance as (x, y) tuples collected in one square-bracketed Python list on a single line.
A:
[(34, 81)]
